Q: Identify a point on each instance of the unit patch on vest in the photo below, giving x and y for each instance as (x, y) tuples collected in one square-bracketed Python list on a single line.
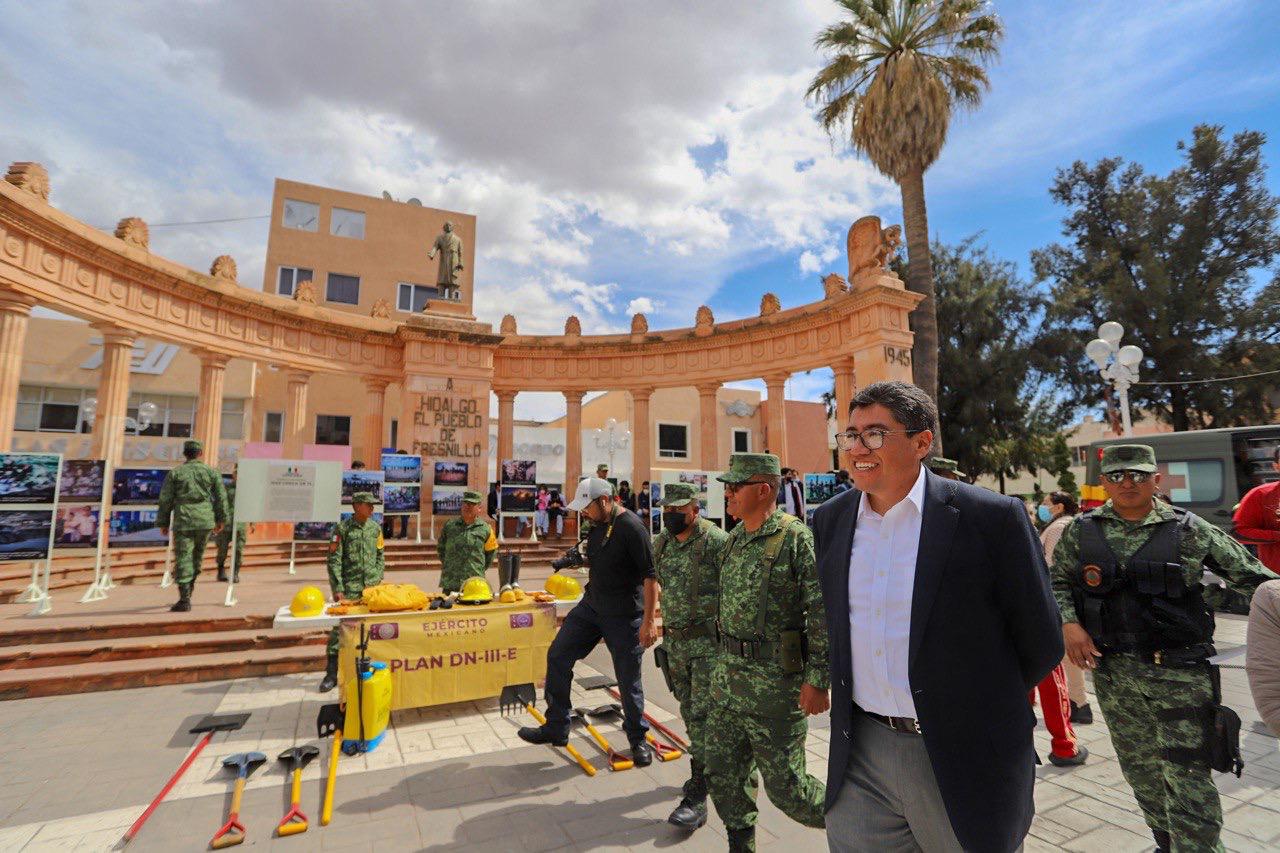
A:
[(1092, 575)]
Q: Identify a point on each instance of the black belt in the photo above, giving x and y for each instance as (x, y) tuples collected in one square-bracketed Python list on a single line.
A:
[(766, 650), (690, 632), (905, 725)]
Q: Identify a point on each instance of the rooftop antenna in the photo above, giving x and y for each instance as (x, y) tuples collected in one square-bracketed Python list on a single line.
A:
[(414, 202), (386, 195)]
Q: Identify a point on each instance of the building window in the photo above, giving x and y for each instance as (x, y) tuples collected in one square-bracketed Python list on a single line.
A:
[(50, 409), (395, 432), (413, 297), (303, 215), (741, 440), (232, 426), (346, 223), (173, 419), (343, 288), (673, 441), (273, 427), (289, 278), (333, 429)]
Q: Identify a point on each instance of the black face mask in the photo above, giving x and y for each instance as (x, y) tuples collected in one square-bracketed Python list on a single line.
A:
[(675, 522)]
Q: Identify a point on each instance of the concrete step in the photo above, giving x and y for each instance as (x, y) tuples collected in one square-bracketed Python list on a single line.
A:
[(99, 650), (143, 626)]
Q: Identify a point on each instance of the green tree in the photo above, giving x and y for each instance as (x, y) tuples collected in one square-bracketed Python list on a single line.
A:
[(993, 421), (1179, 261), (896, 69)]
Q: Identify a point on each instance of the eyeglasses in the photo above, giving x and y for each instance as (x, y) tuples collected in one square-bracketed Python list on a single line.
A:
[(1137, 477), (872, 439), (733, 487)]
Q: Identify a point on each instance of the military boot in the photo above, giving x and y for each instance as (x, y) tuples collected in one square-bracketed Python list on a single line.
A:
[(692, 811), (742, 840), (330, 679), (1164, 844), (222, 574), (183, 604)]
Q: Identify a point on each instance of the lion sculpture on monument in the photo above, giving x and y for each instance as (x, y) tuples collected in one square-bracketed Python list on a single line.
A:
[(871, 248)]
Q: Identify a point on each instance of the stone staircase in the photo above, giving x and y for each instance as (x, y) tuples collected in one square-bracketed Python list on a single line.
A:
[(131, 639)]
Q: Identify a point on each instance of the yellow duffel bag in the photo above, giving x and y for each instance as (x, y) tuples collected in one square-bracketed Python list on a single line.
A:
[(389, 597)]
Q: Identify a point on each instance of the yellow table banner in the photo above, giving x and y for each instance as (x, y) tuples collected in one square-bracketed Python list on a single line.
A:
[(454, 655)]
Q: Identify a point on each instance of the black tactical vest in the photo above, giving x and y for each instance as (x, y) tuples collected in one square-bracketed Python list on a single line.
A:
[(1143, 605)]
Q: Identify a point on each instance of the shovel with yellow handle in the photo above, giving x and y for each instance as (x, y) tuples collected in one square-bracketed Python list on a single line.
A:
[(617, 761), (232, 832), (329, 722), (296, 758)]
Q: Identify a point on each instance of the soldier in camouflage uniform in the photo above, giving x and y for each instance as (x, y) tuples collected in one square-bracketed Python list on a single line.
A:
[(466, 545), (355, 562), (223, 537), (193, 503), (771, 668), (1127, 578), (687, 556)]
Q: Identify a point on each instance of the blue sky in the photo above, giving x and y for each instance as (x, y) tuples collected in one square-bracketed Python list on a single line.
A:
[(619, 158)]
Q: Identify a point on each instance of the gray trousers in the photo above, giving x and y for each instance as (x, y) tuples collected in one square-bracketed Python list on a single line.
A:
[(890, 799)]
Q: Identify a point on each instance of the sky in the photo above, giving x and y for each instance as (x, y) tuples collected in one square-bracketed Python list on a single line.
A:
[(619, 157)]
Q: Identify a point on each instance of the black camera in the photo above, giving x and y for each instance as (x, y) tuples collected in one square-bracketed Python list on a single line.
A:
[(569, 559)]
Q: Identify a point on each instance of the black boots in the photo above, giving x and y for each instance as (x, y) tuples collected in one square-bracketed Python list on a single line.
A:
[(641, 754), (541, 734), (742, 840), (1164, 844), (330, 680), (183, 604), (692, 811), (1081, 715), (222, 574)]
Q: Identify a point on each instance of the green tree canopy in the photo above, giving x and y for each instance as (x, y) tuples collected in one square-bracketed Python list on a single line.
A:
[(1180, 261)]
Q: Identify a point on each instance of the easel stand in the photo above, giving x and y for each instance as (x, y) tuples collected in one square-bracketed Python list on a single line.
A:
[(230, 600), (167, 580), (293, 551)]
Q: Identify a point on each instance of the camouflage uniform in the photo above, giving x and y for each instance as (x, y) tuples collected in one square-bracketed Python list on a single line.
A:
[(466, 550), (194, 496), (355, 561), (689, 574), (1178, 797), (755, 721), (223, 539)]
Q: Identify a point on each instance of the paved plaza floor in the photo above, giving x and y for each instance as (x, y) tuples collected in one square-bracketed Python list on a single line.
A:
[(79, 769)]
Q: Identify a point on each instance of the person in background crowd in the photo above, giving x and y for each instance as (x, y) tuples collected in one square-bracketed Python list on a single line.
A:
[(555, 511), (643, 501), (491, 506), (1257, 519), (222, 539), (792, 495), (842, 481), (625, 496), (1262, 653), (357, 465), (466, 545), (193, 503), (355, 562), (404, 519), (1056, 512), (948, 469), (540, 510)]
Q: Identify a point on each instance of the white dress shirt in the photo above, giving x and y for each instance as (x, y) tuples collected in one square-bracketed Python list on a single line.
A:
[(882, 574)]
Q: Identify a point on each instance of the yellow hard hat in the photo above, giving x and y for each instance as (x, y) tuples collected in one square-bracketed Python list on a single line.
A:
[(308, 602), (476, 591), (568, 589), (553, 583)]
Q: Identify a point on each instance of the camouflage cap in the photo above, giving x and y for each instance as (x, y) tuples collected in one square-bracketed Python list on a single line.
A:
[(1129, 457), (602, 465), (363, 498), (678, 494), (192, 446), (744, 466), (470, 497), (941, 463)]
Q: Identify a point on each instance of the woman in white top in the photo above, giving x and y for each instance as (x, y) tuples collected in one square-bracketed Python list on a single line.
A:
[(1058, 508)]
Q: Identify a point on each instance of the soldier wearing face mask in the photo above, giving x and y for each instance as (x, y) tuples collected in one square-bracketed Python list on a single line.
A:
[(687, 556)]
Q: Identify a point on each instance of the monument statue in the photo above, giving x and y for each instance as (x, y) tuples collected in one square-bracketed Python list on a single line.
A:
[(449, 246), (224, 266), (639, 324), (871, 248), (572, 326), (508, 326), (770, 304), (704, 321), (134, 231), (833, 285), (305, 291)]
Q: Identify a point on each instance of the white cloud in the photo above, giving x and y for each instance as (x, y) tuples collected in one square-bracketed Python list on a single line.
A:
[(641, 305)]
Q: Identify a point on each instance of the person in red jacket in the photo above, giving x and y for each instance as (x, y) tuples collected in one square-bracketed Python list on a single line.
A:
[(1257, 520)]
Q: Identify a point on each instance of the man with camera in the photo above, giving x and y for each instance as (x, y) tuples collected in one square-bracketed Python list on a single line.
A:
[(618, 606)]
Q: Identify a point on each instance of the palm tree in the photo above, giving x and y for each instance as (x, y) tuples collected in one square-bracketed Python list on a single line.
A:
[(896, 69)]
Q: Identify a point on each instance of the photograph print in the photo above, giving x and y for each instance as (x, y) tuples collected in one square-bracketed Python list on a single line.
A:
[(77, 527), (819, 488), (402, 468), (451, 474), (137, 486), (446, 501), (28, 478), (135, 528), (82, 480), (24, 534), (697, 478), (361, 481), (400, 498), (517, 499), (312, 531), (377, 517), (523, 472)]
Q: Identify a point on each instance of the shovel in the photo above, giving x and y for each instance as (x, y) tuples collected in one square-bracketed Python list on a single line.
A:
[(329, 721), (208, 727), (517, 695), (665, 751), (296, 758), (617, 761), (602, 682), (232, 832)]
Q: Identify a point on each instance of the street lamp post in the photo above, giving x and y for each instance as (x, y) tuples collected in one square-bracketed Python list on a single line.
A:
[(610, 441), (147, 412), (1117, 364)]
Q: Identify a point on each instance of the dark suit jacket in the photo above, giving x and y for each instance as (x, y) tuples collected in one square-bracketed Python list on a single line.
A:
[(984, 631)]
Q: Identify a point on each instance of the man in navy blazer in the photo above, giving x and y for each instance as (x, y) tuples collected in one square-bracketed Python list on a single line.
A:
[(940, 620)]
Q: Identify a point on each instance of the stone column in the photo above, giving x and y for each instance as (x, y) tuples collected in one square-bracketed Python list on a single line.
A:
[(843, 370), (15, 309), (641, 446), (506, 425), (776, 384), (208, 425), (709, 417), (113, 392), (295, 413), (572, 443), (375, 401)]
